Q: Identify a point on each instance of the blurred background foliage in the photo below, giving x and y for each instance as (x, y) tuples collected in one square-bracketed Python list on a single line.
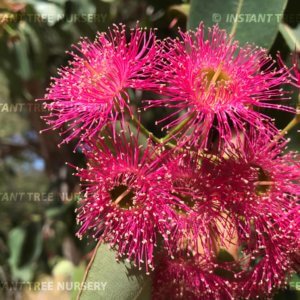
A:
[(38, 193)]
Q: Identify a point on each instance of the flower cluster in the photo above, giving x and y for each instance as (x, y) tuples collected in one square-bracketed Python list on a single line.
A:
[(213, 207)]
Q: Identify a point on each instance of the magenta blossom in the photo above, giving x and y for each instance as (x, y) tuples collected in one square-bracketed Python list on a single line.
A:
[(93, 89), (186, 278), (259, 187), (203, 224), (126, 197), (215, 83), (259, 169), (245, 202)]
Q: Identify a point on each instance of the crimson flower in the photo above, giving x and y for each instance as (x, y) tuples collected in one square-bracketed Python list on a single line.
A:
[(259, 186), (126, 197), (93, 89), (186, 278), (245, 202), (216, 84)]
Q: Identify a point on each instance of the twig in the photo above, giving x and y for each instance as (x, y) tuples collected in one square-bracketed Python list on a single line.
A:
[(86, 273)]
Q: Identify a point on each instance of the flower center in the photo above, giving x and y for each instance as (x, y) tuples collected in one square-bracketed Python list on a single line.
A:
[(122, 196), (214, 78)]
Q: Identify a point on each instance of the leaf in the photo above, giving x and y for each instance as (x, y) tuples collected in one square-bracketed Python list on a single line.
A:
[(33, 243), (294, 282), (25, 246), (257, 20), (287, 294), (63, 268), (16, 241), (33, 38), (108, 279), (49, 12), (183, 9), (21, 49), (224, 256), (291, 36), (78, 275)]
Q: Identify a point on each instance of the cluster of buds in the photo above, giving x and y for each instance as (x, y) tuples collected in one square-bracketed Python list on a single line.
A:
[(211, 210)]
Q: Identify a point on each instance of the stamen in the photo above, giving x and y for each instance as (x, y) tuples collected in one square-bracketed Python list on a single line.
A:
[(122, 196), (90, 68), (216, 75)]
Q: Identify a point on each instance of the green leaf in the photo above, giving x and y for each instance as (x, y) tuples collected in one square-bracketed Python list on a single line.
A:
[(22, 49), (63, 268), (291, 36), (294, 282), (78, 275), (108, 279), (25, 246), (33, 38), (287, 294), (50, 12), (16, 241), (257, 20), (224, 256), (183, 9)]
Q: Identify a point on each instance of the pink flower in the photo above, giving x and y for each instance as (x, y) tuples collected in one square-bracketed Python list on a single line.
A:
[(93, 89), (243, 201), (259, 186), (126, 197), (188, 278), (203, 224), (215, 83), (259, 166)]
